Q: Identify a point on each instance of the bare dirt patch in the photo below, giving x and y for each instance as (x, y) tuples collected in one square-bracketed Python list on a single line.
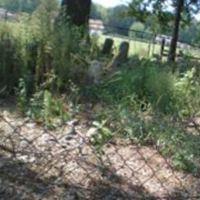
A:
[(36, 163)]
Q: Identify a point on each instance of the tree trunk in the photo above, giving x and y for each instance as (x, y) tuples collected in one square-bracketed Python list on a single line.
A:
[(78, 11), (173, 45)]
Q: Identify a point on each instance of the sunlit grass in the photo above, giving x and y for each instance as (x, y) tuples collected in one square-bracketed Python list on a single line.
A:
[(145, 49)]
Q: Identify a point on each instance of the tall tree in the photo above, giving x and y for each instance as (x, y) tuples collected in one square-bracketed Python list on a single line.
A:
[(78, 11), (117, 21), (98, 12), (183, 12), (175, 34), (184, 9)]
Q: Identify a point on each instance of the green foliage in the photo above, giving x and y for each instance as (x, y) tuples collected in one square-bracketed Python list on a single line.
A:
[(148, 104), (187, 91), (20, 5), (136, 30), (163, 91), (117, 18), (10, 61), (25, 47), (112, 18), (98, 12), (68, 54), (104, 135), (148, 128), (39, 55), (22, 96), (190, 33), (44, 107), (40, 44), (53, 107)]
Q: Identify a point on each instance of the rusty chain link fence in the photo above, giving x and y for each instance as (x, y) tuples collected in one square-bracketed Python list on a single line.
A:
[(64, 164)]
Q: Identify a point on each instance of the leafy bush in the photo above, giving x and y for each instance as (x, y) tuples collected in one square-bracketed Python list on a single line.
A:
[(187, 91), (39, 44), (10, 60), (22, 96), (149, 104), (152, 85), (148, 128), (44, 107)]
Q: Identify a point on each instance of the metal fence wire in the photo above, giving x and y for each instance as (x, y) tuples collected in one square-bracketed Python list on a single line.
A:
[(38, 163), (143, 36), (129, 33)]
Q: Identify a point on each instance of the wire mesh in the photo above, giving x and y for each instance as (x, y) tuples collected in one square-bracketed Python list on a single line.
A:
[(38, 163)]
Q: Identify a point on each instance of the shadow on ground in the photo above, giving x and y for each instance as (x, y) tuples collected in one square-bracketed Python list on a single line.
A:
[(18, 182)]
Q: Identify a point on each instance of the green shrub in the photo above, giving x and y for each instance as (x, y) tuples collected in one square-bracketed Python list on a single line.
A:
[(48, 109), (10, 59), (152, 85), (187, 94), (148, 128), (22, 99)]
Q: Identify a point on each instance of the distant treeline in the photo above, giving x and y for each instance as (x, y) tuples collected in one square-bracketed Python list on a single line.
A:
[(117, 17)]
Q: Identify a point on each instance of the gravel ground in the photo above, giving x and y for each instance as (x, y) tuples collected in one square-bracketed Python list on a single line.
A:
[(36, 163)]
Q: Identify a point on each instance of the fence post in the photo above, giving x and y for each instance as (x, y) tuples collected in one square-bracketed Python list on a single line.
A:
[(154, 42), (6, 16), (162, 48)]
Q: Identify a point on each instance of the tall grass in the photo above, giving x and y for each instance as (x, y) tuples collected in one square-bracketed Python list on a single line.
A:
[(152, 85), (44, 61), (10, 59)]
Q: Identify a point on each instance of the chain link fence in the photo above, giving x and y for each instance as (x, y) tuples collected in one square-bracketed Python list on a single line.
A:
[(64, 164), (142, 41)]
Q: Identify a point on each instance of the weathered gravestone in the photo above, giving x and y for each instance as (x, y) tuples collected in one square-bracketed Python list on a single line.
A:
[(122, 56), (107, 47), (95, 71)]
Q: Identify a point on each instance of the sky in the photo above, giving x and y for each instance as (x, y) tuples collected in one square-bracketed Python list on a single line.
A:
[(111, 3)]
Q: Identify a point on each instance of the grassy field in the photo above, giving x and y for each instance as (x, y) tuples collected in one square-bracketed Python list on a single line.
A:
[(144, 49), (140, 48)]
